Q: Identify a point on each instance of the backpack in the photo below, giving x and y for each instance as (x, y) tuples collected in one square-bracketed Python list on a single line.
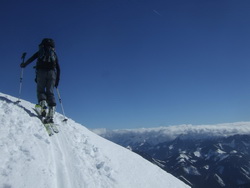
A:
[(46, 55)]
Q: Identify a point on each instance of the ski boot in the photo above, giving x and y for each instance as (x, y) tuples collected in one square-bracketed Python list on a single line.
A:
[(50, 115), (41, 108), (43, 105)]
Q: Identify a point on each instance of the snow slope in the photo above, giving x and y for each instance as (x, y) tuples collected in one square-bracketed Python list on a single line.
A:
[(74, 158)]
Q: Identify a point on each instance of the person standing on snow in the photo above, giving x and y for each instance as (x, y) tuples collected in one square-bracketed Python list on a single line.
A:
[(47, 77)]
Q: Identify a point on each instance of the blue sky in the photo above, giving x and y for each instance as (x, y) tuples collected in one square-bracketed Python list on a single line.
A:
[(140, 63)]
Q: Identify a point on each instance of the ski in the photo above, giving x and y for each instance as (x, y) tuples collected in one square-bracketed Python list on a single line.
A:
[(48, 129), (51, 128)]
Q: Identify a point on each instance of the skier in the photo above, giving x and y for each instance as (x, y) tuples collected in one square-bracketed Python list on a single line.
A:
[(47, 77)]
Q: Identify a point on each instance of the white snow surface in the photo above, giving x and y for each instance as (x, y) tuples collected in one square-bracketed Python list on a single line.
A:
[(73, 158)]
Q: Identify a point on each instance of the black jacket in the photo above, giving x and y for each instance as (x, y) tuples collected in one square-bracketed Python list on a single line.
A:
[(38, 66)]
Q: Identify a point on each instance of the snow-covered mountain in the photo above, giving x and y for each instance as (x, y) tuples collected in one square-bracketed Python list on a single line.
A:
[(202, 156), (73, 158)]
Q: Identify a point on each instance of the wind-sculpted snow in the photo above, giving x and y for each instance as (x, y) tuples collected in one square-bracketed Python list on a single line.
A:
[(74, 158), (162, 134)]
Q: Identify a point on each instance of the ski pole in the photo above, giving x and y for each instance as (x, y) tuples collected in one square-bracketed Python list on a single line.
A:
[(60, 100), (21, 78)]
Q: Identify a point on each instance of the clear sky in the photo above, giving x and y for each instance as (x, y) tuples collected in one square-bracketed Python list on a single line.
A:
[(135, 63)]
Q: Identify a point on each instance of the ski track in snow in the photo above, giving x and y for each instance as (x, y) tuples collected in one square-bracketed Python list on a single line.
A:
[(73, 158), (55, 150)]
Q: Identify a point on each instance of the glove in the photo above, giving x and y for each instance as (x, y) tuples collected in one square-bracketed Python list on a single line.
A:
[(22, 65)]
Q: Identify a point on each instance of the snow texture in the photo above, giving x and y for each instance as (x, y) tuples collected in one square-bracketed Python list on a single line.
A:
[(73, 158)]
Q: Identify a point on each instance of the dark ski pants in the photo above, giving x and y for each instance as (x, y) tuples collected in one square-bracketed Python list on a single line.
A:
[(46, 80)]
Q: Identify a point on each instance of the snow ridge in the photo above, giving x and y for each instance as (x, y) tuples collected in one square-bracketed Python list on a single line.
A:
[(74, 158)]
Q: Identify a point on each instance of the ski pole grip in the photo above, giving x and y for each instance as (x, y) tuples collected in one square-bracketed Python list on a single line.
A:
[(23, 56)]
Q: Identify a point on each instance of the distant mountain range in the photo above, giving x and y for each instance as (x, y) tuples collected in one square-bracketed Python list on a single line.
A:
[(202, 156)]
